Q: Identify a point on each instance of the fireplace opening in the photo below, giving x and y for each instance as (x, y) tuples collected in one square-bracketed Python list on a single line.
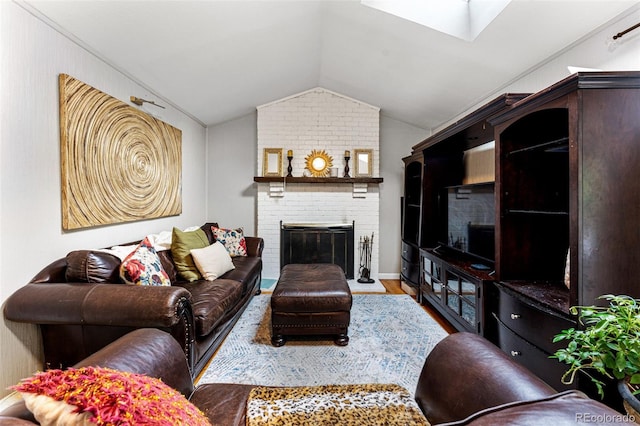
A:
[(318, 243)]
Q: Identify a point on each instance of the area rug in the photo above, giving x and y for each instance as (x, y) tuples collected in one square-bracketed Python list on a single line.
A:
[(390, 337)]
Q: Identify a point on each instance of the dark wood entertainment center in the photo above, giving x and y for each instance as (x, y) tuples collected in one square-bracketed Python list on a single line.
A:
[(567, 184)]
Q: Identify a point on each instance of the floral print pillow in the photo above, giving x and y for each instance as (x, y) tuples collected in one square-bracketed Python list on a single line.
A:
[(143, 267), (232, 239)]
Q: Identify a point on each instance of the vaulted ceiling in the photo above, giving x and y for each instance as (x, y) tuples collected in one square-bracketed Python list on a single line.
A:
[(218, 60)]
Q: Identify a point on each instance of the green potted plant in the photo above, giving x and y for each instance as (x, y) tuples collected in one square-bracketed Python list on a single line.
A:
[(609, 344)]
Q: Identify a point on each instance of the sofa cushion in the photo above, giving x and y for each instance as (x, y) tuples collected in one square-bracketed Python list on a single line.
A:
[(212, 261), (105, 396), (143, 267), (232, 239), (89, 266), (210, 301), (344, 404), (181, 245), (246, 268)]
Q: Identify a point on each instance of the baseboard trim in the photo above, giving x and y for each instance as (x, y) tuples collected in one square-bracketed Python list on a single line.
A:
[(389, 276)]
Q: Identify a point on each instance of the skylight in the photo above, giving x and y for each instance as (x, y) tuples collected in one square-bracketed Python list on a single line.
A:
[(464, 19)]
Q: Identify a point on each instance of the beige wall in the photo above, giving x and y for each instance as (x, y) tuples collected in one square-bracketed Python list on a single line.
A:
[(31, 235)]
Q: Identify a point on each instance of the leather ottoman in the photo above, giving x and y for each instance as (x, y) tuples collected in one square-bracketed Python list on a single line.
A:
[(311, 299)]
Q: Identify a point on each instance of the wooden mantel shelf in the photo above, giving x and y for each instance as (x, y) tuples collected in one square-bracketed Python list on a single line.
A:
[(334, 180)]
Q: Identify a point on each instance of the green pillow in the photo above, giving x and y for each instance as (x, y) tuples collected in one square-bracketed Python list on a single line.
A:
[(181, 245)]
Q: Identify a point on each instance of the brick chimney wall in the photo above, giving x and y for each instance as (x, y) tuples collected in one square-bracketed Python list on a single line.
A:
[(322, 120)]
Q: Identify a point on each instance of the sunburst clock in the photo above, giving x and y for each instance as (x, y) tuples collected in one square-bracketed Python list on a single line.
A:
[(318, 163)]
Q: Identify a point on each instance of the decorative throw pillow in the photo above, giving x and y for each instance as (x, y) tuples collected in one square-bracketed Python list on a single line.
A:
[(232, 239), (212, 261), (143, 267), (92, 266), (103, 396), (182, 242)]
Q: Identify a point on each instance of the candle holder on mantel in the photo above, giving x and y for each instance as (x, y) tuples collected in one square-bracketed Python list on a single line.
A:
[(347, 156), (289, 157)]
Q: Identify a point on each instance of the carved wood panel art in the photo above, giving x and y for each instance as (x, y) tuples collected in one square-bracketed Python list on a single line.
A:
[(118, 163)]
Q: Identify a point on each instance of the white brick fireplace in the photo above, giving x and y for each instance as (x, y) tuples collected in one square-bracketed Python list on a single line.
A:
[(318, 119)]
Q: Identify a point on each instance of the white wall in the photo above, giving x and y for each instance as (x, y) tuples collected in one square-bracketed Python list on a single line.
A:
[(231, 162), (592, 52), (31, 236), (318, 119), (396, 140)]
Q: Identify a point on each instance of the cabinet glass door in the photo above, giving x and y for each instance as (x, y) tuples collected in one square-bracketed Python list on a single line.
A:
[(431, 276), (460, 297), (436, 284)]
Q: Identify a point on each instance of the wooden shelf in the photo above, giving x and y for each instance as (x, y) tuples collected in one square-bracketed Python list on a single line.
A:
[(324, 180)]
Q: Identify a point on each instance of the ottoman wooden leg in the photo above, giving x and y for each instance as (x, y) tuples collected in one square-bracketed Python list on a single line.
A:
[(278, 340), (342, 339)]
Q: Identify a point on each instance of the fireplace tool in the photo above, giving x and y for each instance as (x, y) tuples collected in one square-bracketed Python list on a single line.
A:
[(366, 246)]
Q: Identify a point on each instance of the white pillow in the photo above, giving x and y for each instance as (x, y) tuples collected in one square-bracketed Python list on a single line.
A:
[(121, 252), (212, 261), (161, 241)]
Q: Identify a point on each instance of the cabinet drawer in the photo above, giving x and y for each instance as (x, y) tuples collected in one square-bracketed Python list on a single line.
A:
[(410, 253), (533, 324), (411, 272), (538, 362)]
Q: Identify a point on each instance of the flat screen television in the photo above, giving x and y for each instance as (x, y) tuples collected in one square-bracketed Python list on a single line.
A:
[(470, 217)]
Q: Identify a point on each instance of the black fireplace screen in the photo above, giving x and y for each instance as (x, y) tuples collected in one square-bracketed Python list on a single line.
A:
[(317, 243)]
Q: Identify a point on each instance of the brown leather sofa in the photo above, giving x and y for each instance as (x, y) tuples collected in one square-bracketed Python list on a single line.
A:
[(78, 316), (465, 381)]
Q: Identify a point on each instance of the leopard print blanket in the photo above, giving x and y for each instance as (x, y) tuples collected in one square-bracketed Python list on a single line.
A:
[(348, 405)]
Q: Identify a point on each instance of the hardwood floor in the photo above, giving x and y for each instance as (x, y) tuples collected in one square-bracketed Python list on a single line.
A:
[(393, 287)]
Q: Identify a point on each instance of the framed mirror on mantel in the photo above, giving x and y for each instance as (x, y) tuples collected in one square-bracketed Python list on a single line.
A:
[(318, 163), (272, 162), (363, 162)]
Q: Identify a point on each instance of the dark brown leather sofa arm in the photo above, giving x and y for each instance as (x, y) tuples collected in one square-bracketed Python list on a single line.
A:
[(96, 304), (486, 378), (255, 245), (146, 351), (88, 317), (53, 273)]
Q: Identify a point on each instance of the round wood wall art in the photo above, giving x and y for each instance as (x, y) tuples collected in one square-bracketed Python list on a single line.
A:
[(118, 164)]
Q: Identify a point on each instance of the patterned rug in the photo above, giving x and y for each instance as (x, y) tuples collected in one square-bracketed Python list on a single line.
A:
[(390, 337)]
